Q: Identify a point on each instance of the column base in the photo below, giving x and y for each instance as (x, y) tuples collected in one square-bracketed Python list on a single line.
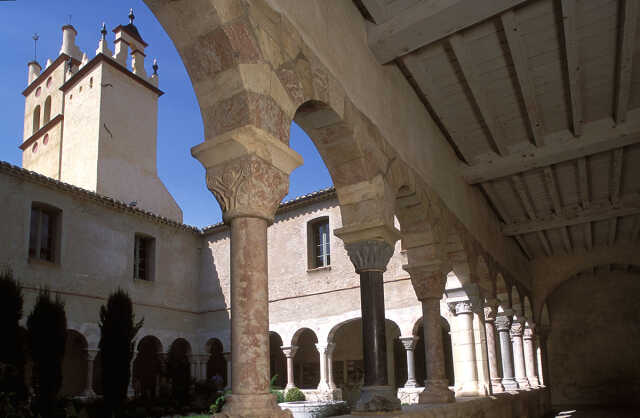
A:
[(523, 383), (377, 399), (496, 385), (469, 389), (411, 383), (534, 382), (436, 391), (289, 386), (262, 405), (509, 384)]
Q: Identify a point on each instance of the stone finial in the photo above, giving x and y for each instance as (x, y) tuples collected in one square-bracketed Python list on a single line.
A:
[(131, 16), (48, 64), (369, 255), (103, 31), (155, 67), (85, 60), (33, 71), (137, 63)]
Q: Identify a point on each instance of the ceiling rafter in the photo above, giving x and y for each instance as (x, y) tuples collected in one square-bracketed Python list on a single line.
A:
[(518, 52), (573, 67), (377, 10), (626, 46), (613, 229), (588, 236), (479, 93), (583, 181), (552, 188), (596, 212), (616, 175), (523, 195), (599, 136)]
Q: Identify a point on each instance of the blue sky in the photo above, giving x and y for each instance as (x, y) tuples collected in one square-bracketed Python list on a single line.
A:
[(180, 123)]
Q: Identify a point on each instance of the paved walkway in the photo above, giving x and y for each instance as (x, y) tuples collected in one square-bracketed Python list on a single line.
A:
[(597, 413)]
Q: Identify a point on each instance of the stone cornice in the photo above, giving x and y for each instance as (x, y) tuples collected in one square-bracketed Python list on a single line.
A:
[(43, 75)]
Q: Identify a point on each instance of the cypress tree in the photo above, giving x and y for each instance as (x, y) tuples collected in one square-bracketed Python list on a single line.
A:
[(47, 332), (12, 349), (118, 330)]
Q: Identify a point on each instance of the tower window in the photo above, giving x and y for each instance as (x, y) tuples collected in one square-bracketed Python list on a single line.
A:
[(144, 257), (36, 119), (44, 233), (49, 82), (319, 254), (47, 111)]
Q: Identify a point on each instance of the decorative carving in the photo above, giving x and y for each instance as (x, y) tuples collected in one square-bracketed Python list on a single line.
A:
[(289, 351), (517, 329), (409, 343), (369, 255), (528, 334), (461, 307), (503, 323), (426, 283), (248, 186)]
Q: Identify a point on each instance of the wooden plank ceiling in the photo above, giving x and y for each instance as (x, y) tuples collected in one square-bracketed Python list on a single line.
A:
[(541, 101)]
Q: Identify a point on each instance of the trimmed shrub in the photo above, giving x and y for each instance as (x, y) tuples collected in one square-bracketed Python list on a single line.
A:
[(294, 395), (179, 371), (47, 331), (12, 349), (117, 331)]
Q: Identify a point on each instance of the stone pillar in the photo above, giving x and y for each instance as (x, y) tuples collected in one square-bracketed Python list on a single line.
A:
[(290, 353), (429, 288), (88, 391), (370, 258), (490, 311), (409, 343), (503, 325), (130, 389), (529, 355), (227, 357), (543, 365), (468, 386), (323, 349), (517, 328), (330, 348)]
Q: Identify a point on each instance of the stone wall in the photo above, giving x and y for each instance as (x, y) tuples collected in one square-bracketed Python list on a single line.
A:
[(595, 340)]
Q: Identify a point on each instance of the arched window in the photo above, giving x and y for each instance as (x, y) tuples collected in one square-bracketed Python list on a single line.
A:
[(47, 111), (36, 119), (318, 248)]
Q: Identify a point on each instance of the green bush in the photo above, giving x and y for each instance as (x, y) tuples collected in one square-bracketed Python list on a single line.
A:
[(294, 395), (12, 348), (219, 403)]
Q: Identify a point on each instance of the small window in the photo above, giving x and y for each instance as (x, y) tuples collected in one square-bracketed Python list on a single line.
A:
[(36, 119), (47, 111), (44, 234), (143, 257), (319, 253)]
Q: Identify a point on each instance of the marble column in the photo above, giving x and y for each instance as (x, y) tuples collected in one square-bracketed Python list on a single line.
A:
[(290, 353), (490, 311), (323, 386), (330, 348), (517, 328), (88, 391), (370, 258), (409, 343), (468, 372), (227, 358), (503, 325), (429, 288), (529, 355)]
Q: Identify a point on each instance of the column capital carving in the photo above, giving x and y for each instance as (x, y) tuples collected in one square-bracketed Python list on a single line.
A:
[(289, 351), (461, 307), (322, 348), (369, 255), (92, 353), (517, 329), (491, 309), (528, 333), (427, 283), (409, 343), (227, 355), (503, 323)]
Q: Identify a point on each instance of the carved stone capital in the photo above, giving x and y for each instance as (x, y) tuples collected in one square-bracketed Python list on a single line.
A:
[(289, 351), (503, 323), (528, 334), (248, 186), (227, 356), (461, 307), (369, 255), (517, 328), (427, 283), (409, 343), (91, 354)]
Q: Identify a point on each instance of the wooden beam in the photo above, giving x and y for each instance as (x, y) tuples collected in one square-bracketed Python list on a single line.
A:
[(583, 181), (479, 93), (566, 239), (377, 10), (521, 190), (635, 233), (616, 176), (613, 229), (572, 60), (600, 136), (588, 237), (428, 22), (597, 212), (552, 188), (626, 46), (519, 57), (545, 243)]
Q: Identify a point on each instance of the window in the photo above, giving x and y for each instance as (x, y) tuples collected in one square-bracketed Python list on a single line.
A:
[(47, 111), (319, 253), (36, 119), (44, 233), (144, 257)]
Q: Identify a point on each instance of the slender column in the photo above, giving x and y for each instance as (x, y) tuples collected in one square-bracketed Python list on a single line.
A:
[(529, 355), (227, 357), (517, 328), (490, 311), (130, 389), (370, 258), (323, 385), (543, 364), (429, 288), (290, 353), (503, 325), (468, 386), (330, 348), (88, 391), (409, 343)]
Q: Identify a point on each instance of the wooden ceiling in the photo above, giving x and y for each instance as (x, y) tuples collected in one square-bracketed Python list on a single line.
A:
[(541, 101)]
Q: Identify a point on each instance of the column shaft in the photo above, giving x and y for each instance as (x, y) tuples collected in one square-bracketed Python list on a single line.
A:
[(529, 358), (518, 354), (330, 382), (496, 384), (322, 385), (466, 354), (290, 381), (373, 328), (503, 324), (409, 345)]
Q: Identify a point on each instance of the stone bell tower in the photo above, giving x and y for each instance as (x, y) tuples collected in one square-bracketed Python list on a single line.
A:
[(93, 123)]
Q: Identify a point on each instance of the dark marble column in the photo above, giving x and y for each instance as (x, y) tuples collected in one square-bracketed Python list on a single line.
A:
[(370, 258), (503, 325), (490, 311)]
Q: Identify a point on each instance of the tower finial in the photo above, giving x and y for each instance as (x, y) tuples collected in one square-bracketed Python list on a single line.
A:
[(131, 16), (35, 38), (155, 66), (103, 31)]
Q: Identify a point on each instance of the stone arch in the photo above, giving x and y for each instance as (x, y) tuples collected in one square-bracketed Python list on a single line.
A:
[(216, 363), (46, 116), (420, 351), (516, 300), (545, 319), (36, 119), (502, 293), (526, 308), (74, 364), (277, 360), (483, 275), (306, 362), (147, 367), (179, 368)]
